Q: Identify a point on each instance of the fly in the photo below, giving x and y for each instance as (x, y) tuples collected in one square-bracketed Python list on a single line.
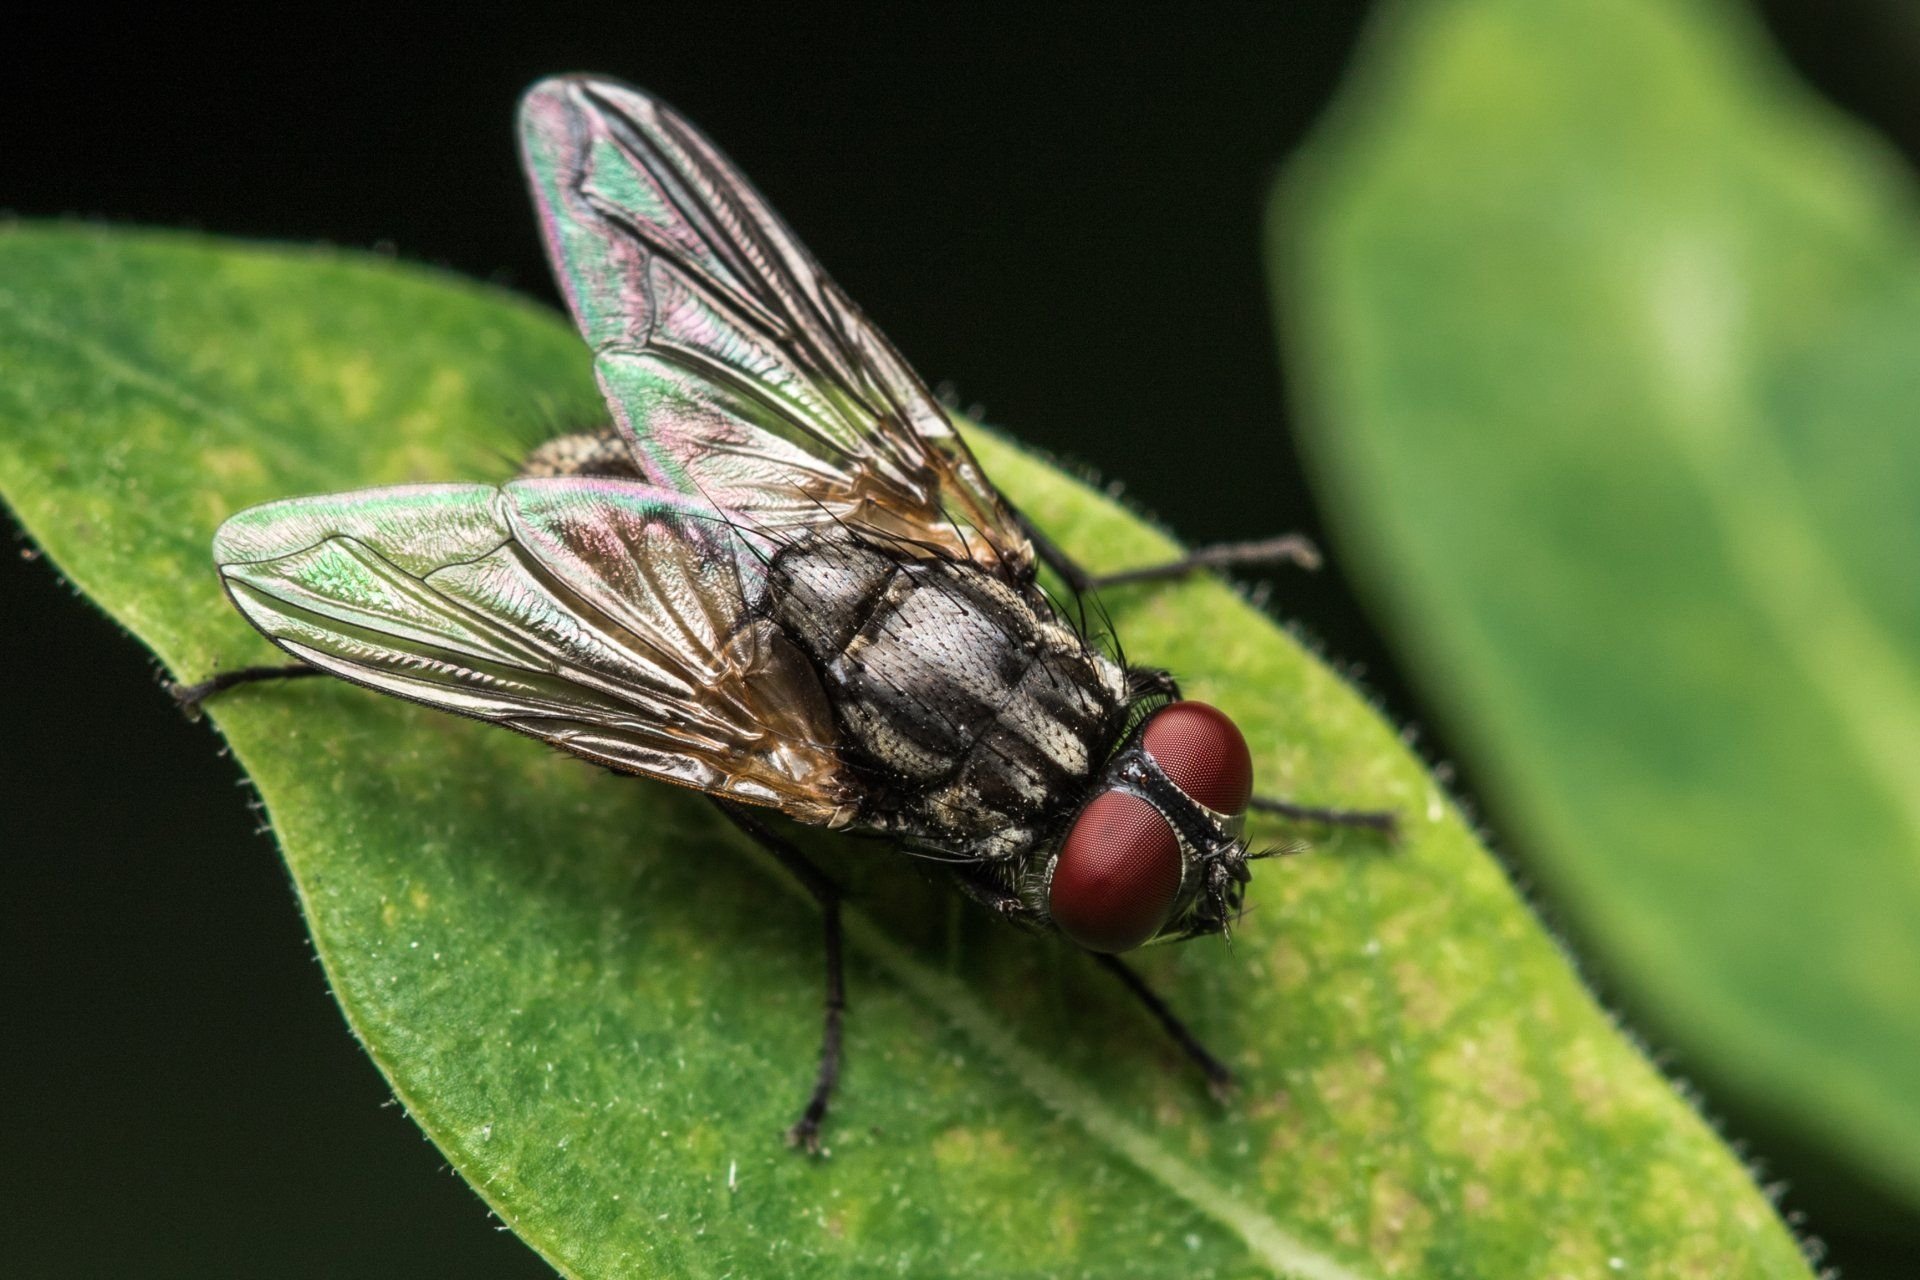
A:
[(779, 578)]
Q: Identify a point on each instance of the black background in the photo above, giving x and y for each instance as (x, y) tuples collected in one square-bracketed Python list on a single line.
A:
[(1057, 211)]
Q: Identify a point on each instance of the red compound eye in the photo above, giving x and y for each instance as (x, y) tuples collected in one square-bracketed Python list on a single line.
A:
[(1203, 753), (1117, 876)]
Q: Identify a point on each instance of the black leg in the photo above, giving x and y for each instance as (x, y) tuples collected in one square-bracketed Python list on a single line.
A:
[(1005, 906), (1288, 549), (190, 696), (1078, 580), (1009, 906), (805, 1132), (1219, 1077), (1384, 821)]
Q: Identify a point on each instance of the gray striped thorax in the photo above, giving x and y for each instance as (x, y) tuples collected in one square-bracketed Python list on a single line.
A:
[(974, 715)]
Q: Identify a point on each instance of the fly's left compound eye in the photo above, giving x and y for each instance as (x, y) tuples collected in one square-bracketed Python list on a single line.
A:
[(1117, 875), (1203, 753)]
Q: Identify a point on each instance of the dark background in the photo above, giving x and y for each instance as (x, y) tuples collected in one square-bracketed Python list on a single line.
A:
[(1056, 212)]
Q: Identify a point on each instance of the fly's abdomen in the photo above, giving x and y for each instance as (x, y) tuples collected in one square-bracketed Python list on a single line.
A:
[(977, 716)]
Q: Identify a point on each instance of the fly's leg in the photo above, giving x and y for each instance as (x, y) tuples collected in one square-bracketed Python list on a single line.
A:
[(1005, 906), (1288, 549), (1219, 1077), (1008, 906), (1384, 821), (805, 1132), (189, 696)]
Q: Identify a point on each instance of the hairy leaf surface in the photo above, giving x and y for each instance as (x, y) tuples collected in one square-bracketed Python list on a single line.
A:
[(603, 1005)]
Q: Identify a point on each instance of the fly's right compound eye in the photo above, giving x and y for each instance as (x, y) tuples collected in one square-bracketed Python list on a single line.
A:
[(1117, 875), (1203, 753)]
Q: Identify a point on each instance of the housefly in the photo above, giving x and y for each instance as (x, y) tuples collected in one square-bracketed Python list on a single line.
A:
[(779, 577)]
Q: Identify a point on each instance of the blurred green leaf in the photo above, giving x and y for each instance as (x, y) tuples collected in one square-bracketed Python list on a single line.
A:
[(1610, 336), (604, 1007)]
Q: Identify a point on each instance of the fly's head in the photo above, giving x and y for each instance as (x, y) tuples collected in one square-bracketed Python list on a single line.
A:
[(1159, 851)]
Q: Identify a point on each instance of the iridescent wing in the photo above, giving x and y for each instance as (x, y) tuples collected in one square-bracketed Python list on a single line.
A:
[(738, 369), (601, 616)]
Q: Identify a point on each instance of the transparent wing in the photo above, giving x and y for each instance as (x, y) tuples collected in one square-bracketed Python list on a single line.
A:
[(739, 370), (598, 615)]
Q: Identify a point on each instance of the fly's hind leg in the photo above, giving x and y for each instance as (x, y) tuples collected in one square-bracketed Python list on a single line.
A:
[(805, 1132), (188, 697), (1288, 549)]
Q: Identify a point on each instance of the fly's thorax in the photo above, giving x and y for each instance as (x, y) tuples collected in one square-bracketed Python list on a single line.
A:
[(820, 590), (975, 717)]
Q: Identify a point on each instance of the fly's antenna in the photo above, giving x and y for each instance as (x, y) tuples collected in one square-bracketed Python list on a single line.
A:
[(1222, 901)]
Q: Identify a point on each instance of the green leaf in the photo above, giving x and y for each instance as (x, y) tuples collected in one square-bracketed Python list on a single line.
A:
[(604, 1006), (1608, 330)]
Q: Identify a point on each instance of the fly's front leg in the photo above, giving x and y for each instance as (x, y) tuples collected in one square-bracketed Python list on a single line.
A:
[(1008, 906), (1288, 549), (1384, 821), (805, 1132), (1219, 1077), (188, 697)]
